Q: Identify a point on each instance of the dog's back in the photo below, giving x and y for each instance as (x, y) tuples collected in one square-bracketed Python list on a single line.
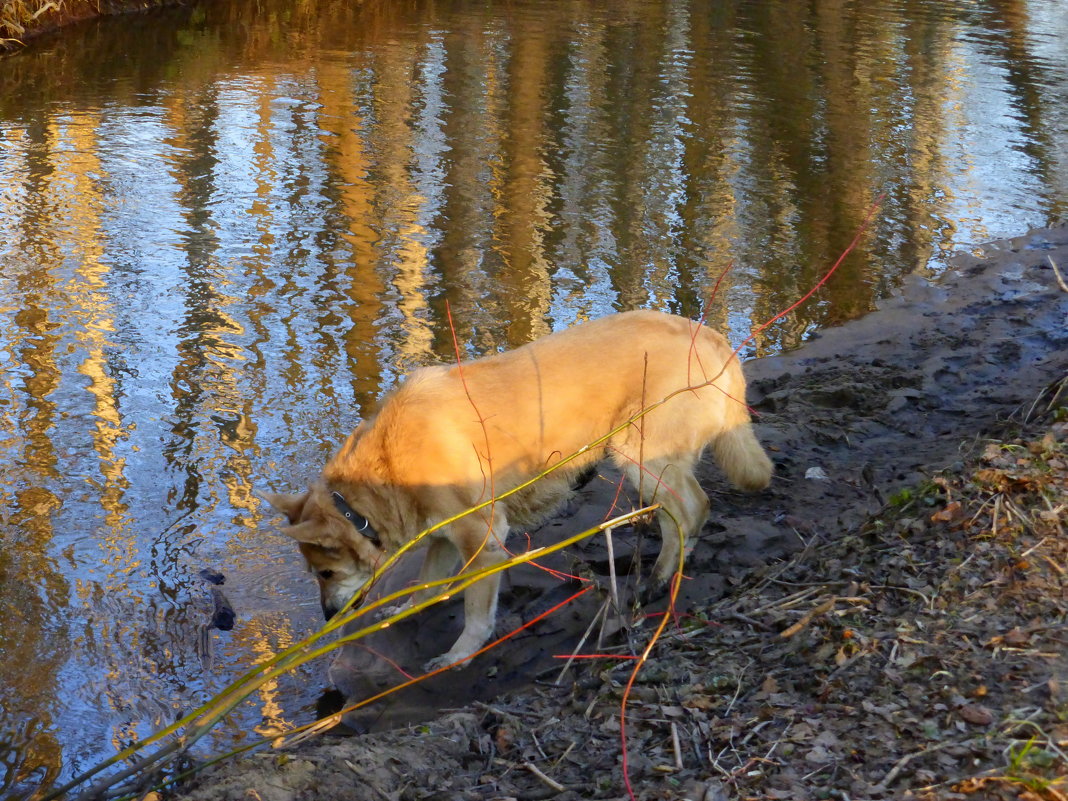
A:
[(493, 423)]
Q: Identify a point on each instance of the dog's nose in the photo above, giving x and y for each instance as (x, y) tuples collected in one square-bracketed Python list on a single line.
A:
[(329, 611)]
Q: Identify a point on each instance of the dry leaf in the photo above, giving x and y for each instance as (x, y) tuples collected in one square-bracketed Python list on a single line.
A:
[(699, 702), (976, 714), (951, 511), (1016, 638), (504, 739)]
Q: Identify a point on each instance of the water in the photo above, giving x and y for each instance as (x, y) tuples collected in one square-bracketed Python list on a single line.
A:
[(225, 231)]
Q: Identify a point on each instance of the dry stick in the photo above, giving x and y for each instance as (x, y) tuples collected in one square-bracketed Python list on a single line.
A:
[(675, 745), (901, 763), (602, 610), (1057, 272), (613, 592), (808, 617), (530, 766)]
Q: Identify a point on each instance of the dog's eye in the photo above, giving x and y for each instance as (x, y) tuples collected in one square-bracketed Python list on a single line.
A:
[(326, 575)]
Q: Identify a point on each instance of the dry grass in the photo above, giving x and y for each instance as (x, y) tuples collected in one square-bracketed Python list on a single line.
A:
[(19, 17)]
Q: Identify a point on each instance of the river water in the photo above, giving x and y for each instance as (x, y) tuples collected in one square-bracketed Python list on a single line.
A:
[(226, 230)]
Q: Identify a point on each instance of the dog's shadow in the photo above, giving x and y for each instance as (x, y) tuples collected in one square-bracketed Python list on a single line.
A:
[(378, 673), (542, 617)]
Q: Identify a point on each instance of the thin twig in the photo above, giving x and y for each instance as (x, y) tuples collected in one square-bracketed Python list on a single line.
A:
[(551, 782), (675, 745), (603, 608), (808, 617), (901, 763), (1057, 272), (613, 591)]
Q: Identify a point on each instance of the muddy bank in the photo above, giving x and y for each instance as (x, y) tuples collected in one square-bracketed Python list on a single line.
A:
[(850, 419), (22, 21)]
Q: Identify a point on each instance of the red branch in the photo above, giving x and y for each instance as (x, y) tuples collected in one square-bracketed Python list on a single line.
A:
[(676, 578)]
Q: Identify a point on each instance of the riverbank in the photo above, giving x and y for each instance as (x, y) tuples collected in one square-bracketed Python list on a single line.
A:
[(23, 20), (886, 621)]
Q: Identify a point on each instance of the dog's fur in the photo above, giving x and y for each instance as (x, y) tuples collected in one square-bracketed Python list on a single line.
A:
[(451, 437)]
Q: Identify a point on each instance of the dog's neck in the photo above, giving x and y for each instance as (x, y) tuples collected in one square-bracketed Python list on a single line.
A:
[(361, 471), (389, 512)]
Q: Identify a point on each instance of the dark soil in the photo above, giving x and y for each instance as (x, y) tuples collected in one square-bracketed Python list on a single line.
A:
[(888, 620)]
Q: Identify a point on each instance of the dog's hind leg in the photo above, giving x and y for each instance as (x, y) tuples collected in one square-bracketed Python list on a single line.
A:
[(481, 546), (683, 507)]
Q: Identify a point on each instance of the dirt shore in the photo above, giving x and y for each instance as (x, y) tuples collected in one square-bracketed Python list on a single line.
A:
[(869, 627), (22, 21)]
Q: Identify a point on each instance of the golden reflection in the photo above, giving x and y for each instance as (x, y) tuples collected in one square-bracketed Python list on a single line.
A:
[(91, 313), (404, 234), (472, 126), (32, 636), (265, 642), (930, 153), (346, 152), (523, 198)]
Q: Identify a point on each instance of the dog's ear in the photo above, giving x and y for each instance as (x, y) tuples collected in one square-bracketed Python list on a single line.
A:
[(311, 533), (289, 504)]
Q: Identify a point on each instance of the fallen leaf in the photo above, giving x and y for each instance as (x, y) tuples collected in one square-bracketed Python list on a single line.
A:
[(1016, 637), (976, 714), (699, 702), (504, 738), (818, 755), (951, 511), (769, 686)]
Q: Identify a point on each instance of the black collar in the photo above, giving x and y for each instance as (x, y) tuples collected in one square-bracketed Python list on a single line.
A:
[(359, 522)]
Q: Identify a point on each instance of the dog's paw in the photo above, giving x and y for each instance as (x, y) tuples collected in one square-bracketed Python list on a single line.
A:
[(652, 591), (445, 661), (393, 609)]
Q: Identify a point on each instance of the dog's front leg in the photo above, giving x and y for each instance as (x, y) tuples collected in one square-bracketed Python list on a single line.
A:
[(480, 614), (437, 564), (480, 548)]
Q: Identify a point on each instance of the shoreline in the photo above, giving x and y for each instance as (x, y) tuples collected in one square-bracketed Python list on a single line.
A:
[(21, 23)]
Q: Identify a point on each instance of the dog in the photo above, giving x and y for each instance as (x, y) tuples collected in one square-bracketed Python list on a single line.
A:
[(451, 437)]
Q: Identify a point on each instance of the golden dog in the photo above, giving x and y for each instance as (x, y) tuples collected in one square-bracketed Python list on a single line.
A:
[(451, 437)]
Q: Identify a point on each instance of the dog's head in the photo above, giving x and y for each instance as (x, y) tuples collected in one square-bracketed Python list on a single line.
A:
[(338, 543)]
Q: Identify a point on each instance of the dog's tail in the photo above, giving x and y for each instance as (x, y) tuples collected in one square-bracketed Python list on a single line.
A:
[(741, 457)]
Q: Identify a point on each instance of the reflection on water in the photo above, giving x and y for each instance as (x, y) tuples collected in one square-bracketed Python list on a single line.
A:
[(225, 231)]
